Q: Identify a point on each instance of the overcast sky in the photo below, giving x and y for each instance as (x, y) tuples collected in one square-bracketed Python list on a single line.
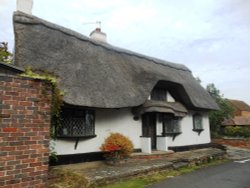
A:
[(211, 37)]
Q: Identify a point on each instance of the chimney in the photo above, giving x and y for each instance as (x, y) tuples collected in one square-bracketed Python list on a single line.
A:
[(24, 6), (98, 35)]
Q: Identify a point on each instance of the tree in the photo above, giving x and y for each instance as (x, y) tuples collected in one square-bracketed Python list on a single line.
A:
[(226, 110), (5, 55)]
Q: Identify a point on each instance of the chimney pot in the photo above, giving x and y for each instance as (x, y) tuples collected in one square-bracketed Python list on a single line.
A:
[(98, 35)]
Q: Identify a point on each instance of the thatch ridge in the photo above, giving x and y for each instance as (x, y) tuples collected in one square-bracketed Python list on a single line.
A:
[(20, 18)]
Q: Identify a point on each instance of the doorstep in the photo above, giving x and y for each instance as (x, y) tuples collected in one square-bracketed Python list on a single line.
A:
[(156, 154)]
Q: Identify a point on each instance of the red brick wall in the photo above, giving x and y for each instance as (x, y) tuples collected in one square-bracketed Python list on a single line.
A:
[(24, 132)]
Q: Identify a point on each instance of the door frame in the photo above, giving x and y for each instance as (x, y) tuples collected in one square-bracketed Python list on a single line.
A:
[(149, 128)]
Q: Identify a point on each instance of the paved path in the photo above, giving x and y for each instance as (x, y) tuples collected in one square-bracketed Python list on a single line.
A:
[(237, 153), (228, 175), (103, 173)]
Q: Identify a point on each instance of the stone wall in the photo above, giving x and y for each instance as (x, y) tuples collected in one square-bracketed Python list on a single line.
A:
[(24, 132)]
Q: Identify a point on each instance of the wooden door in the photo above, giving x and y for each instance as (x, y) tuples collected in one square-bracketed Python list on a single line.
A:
[(149, 127)]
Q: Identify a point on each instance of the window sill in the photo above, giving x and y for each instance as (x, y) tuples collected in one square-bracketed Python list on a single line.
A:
[(173, 134), (198, 131)]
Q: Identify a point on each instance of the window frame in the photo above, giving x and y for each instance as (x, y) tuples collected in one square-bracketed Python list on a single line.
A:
[(198, 128), (76, 114), (158, 94), (175, 121)]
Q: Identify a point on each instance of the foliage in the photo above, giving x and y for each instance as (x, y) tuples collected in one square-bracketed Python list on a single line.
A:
[(225, 112), (237, 131), (53, 154), (57, 95), (215, 135), (5, 55), (117, 146)]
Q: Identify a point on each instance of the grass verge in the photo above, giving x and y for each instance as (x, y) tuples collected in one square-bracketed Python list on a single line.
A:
[(140, 182), (67, 179)]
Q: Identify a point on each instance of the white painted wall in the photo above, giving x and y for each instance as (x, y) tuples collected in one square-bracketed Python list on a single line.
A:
[(162, 143), (146, 145), (121, 120), (169, 97), (190, 137), (106, 121)]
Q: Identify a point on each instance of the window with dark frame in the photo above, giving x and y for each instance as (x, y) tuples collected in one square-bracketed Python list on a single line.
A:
[(77, 123), (197, 122), (170, 124), (159, 94)]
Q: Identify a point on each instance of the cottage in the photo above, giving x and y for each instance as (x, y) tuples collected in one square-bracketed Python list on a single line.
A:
[(241, 116), (159, 105)]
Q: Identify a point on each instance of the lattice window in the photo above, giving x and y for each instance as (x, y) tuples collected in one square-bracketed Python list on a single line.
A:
[(170, 124), (197, 122), (77, 123)]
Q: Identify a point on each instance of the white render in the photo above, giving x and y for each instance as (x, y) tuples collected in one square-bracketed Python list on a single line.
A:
[(190, 137), (24, 6), (162, 143), (106, 121), (146, 145), (121, 120), (170, 98)]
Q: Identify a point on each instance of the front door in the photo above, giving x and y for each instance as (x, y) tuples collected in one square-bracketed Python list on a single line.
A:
[(149, 127)]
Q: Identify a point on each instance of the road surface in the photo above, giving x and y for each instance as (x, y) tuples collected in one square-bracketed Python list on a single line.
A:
[(233, 174)]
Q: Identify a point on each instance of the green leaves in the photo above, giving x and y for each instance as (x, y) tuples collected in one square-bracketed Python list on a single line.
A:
[(225, 112), (5, 55), (237, 131)]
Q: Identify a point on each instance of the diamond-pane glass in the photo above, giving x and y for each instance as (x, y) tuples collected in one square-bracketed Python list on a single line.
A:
[(76, 123)]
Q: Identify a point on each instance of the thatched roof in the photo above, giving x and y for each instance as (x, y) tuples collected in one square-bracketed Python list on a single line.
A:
[(100, 75)]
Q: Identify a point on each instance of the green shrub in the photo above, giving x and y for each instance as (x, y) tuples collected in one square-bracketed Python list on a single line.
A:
[(237, 131), (215, 134), (117, 146)]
